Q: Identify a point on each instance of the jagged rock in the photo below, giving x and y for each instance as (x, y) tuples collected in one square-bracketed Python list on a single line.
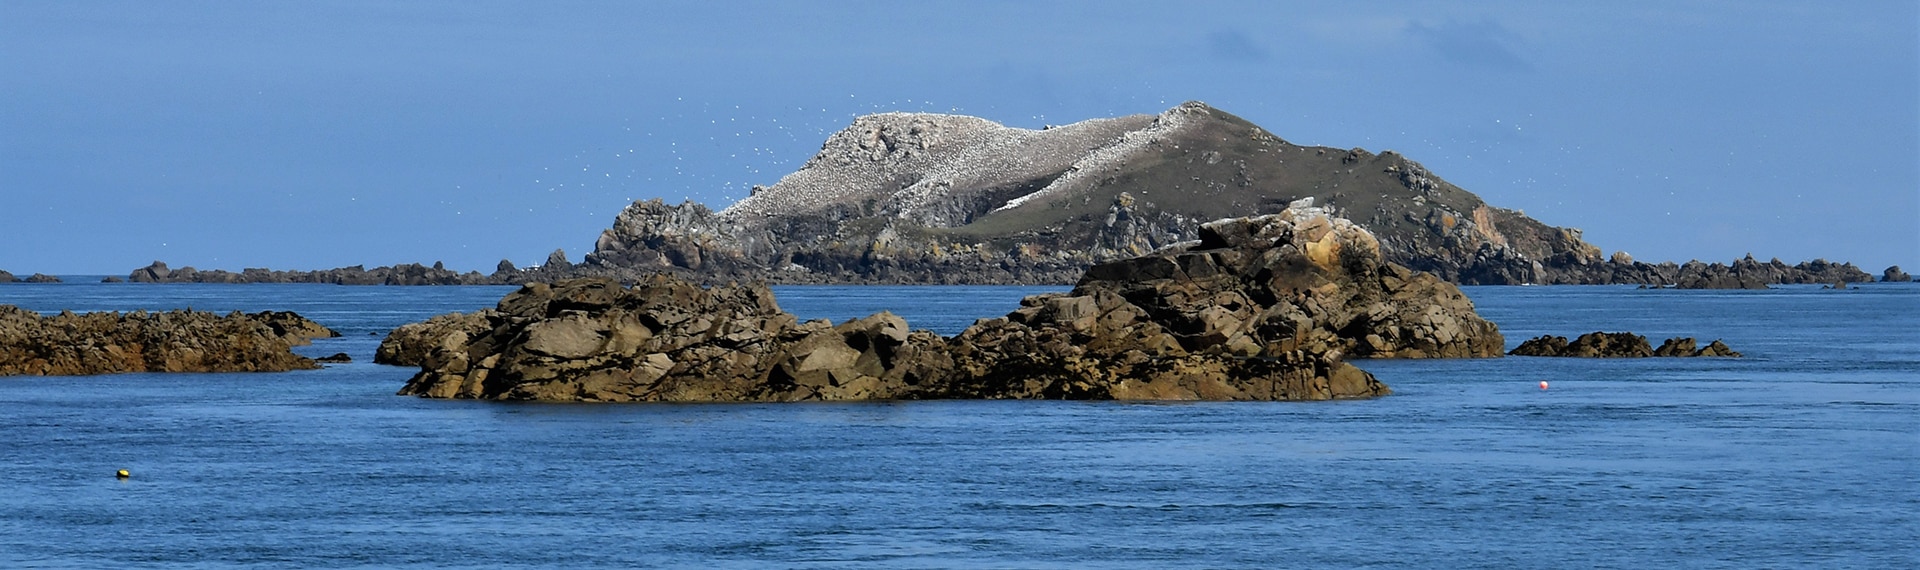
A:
[(557, 261), (1892, 274), (42, 278), (410, 344), (174, 341), (1617, 345), (8, 277), (296, 329), (1262, 308)]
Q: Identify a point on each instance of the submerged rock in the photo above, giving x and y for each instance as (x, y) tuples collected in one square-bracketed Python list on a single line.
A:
[(174, 341), (1617, 345), (1258, 309)]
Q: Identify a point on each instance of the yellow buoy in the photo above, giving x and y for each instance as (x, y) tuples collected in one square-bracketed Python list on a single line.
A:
[(123, 474)]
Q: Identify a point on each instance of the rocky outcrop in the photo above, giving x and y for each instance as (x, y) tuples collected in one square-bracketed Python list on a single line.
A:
[(410, 344), (1685, 346), (1258, 309), (42, 278), (289, 325), (1895, 275), (8, 277), (1617, 345), (174, 341), (1748, 273)]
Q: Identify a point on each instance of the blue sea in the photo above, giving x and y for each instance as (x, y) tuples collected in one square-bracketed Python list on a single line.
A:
[(1804, 454)]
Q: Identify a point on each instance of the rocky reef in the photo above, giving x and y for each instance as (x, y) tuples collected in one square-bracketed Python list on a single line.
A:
[(1748, 273), (1618, 345), (1895, 275), (505, 273), (1262, 308), (173, 341)]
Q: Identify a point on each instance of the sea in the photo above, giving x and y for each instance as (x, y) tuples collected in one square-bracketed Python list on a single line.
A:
[(1803, 454)]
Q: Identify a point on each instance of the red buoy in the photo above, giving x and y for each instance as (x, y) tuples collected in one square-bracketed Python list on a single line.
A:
[(1543, 384)]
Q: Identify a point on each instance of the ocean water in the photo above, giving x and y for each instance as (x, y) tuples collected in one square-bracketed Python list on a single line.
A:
[(1804, 454)]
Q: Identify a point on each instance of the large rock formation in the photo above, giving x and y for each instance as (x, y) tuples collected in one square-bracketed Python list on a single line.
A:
[(174, 341), (929, 198), (1617, 345), (1894, 274), (1263, 308), (7, 277), (904, 197), (42, 278)]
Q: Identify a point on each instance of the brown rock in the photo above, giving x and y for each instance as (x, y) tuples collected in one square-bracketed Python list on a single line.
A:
[(410, 344)]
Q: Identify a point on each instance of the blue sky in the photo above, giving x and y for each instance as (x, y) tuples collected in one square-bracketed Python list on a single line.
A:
[(324, 134)]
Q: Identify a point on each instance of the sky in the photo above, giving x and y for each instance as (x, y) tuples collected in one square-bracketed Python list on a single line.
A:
[(309, 135)]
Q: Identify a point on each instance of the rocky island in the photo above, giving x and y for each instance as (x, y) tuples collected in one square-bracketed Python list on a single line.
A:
[(1263, 308), (931, 198), (950, 199), (172, 341)]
